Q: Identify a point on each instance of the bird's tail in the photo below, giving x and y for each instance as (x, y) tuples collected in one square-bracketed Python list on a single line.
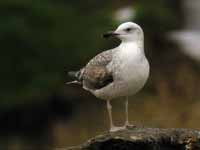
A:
[(76, 76), (73, 82)]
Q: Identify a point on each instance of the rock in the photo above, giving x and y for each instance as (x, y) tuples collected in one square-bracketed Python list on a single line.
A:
[(144, 139)]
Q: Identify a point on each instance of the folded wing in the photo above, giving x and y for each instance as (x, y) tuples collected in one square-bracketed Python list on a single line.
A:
[(95, 74)]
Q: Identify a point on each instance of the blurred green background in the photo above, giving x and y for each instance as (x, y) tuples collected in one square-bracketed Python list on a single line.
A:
[(43, 39)]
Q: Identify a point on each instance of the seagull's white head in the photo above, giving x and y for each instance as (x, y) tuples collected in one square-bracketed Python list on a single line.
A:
[(127, 32)]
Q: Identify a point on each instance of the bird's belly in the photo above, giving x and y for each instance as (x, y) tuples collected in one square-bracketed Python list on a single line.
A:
[(132, 77)]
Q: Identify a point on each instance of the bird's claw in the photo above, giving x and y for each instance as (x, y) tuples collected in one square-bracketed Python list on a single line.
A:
[(114, 129), (129, 126)]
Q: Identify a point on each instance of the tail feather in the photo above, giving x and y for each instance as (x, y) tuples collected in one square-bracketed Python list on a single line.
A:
[(76, 76), (73, 82)]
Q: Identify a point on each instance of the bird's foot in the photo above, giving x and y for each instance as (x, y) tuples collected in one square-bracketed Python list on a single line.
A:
[(114, 129), (129, 126)]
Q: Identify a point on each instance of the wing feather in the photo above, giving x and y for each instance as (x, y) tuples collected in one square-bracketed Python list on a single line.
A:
[(95, 74)]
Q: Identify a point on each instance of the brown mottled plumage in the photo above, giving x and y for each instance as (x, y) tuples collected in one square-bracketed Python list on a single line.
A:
[(95, 74)]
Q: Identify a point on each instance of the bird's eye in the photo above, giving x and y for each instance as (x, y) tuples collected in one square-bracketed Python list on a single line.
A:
[(128, 29)]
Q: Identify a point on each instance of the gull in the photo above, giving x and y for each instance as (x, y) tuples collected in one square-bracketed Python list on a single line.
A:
[(118, 72)]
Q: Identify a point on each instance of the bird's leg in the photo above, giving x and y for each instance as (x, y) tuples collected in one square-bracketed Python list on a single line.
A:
[(127, 124), (109, 107), (112, 127), (126, 112)]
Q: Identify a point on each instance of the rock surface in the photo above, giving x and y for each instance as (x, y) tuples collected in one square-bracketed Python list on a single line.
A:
[(144, 139)]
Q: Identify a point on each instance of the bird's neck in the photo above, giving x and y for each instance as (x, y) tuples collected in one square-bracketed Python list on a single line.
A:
[(137, 46)]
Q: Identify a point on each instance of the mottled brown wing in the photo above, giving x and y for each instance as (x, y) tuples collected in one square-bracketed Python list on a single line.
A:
[(95, 75), (101, 59)]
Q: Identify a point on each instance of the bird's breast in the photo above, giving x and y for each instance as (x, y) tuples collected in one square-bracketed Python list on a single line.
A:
[(132, 70)]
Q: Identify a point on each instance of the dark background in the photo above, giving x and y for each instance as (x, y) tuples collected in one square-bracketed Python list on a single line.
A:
[(41, 40)]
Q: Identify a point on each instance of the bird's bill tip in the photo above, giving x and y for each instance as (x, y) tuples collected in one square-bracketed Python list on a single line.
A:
[(110, 34)]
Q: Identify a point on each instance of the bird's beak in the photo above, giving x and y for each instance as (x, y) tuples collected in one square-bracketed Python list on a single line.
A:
[(110, 34)]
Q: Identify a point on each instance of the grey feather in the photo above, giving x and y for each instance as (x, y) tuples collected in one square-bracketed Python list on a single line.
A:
[(74, 74)]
